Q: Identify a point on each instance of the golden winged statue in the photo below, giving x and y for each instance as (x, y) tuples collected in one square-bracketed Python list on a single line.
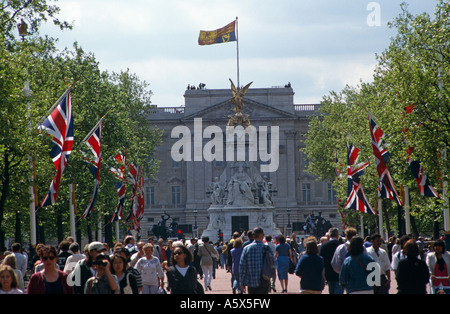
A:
[(238, 94)]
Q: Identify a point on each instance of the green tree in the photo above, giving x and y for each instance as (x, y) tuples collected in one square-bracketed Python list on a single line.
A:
[(413, 71), (123, 96)]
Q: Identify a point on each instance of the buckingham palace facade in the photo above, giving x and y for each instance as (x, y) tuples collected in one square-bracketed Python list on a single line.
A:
[(182, 189)]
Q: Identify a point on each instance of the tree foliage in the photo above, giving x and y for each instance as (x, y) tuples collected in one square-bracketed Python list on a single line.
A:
[(413, 72), (122, 97)]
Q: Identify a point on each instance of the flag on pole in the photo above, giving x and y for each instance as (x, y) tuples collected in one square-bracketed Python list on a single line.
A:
[(425, 188), (94, 141), (120, 186), (356, 198), (133, 179), (59, 124), (218, 36), (386, 187), (417, 170), (118, 214), (141, 195)]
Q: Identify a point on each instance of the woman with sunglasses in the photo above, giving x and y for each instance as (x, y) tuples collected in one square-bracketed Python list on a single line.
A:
[(181, 276), (50, 280)]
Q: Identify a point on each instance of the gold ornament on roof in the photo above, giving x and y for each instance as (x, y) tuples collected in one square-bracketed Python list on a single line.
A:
[(238, 94)]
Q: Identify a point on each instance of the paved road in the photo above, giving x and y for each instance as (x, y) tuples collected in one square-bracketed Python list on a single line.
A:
[(222, 284)]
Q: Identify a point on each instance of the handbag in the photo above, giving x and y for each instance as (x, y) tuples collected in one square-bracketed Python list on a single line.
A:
[(127, 289)]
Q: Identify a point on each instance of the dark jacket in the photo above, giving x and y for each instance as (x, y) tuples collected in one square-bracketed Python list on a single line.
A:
[(188, 284), (327, 251), (412, 276)]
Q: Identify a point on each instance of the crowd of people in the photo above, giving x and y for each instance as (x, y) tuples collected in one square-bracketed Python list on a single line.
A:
[(346, 264)]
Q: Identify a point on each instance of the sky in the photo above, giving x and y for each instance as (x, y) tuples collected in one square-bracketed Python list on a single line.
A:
[(318, 46)]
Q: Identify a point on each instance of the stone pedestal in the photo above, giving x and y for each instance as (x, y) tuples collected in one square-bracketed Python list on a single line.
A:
[(229, 219)]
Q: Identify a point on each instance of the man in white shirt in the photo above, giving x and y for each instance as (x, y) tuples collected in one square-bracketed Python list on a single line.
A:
[(381, 257), (73, 259), (341, 251), (397, 257), (21, 259)]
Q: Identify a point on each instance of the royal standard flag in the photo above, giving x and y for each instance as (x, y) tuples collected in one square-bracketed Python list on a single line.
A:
[(221, 35)]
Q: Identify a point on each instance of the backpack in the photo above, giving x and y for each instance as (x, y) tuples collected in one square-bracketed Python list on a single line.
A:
[(268, 267)]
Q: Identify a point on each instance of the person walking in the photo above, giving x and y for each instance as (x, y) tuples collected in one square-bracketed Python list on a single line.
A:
[(380, 256), (400, 255), (341, 251), (127, 282), (50, 280), (412, 273), (103, 282), (84, 268), (10, 260), (21, 259), (8, 280), (182, 275), (230, 247), (353, 275), (327, 250), (207, 253), (236, 253), (73, 259), (250, 266), (438, 263), (310, 268), (272, 245), (283, 255), (64, 254), (151, 270)]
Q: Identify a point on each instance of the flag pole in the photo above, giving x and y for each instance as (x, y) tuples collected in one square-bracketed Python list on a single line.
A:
[(237, 51)]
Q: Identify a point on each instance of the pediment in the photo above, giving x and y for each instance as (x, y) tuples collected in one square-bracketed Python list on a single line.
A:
[(255, 111), (175, 179)]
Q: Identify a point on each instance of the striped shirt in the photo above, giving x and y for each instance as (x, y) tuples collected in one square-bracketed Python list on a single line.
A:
[(250, 266)]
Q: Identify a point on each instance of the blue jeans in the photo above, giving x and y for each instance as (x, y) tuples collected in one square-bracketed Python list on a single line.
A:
[(334, 287)]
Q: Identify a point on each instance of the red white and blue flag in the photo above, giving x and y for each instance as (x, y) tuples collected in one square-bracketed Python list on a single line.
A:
[(356, 199), (94, 141), (59, 124), (417, 170), (120, 186), (133, 175), (386, 187), (141, 195), (423, 184)]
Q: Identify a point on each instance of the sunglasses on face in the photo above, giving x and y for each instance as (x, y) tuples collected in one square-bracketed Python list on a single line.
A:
[(178, 253), (44, 258)]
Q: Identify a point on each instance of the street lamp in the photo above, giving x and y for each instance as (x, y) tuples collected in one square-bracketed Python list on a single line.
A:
[(289, 227), (23, 31), (195, 222)]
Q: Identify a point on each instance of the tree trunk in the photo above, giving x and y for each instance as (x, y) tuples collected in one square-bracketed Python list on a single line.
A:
[(387, 221), (59, 226), (18, 236), (4, 196)]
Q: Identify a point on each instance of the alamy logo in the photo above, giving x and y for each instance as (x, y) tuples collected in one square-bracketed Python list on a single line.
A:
[(249, 142), (373, 278), (374, 18)]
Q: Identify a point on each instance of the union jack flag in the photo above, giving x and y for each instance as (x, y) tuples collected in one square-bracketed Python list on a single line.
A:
[(120, 187), (94, 141), (59, 124), (356, 198), (133, 178), (423, 184), (141, 195), (386, 187)]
